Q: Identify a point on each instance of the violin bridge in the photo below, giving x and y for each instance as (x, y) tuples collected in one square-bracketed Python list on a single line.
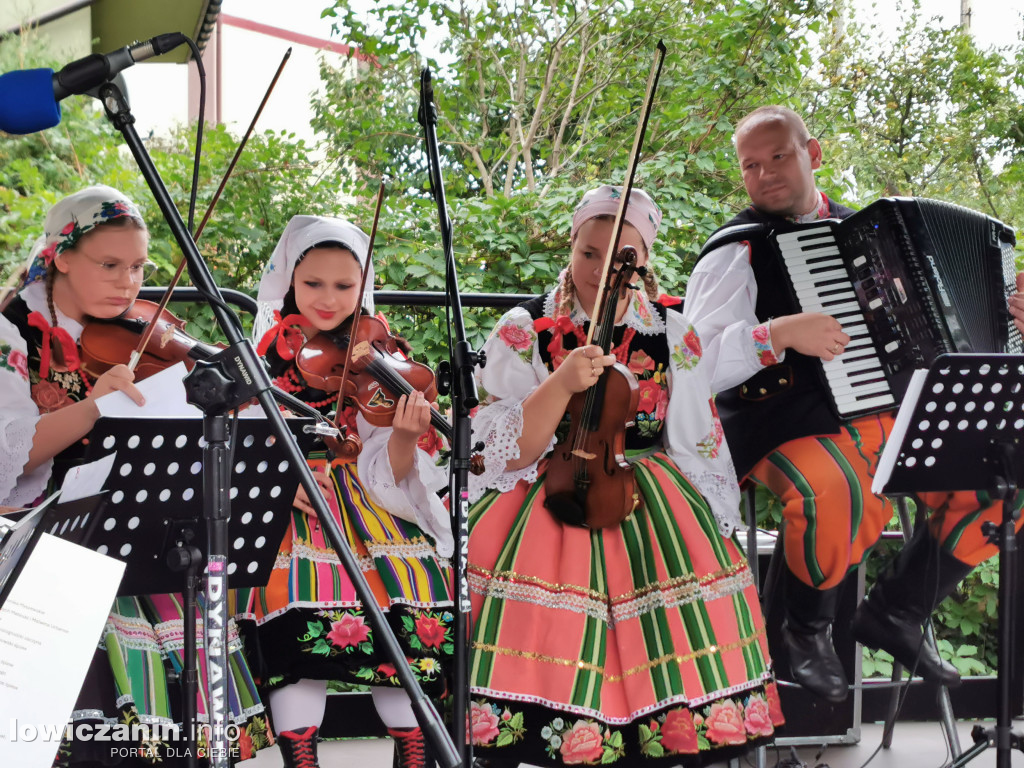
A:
[(581, 454), (167, 336)]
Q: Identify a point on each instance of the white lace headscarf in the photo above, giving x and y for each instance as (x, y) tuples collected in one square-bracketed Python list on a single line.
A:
[(302, 234)]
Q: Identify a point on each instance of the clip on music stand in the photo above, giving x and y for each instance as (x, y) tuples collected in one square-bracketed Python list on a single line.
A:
[(970, 406), (155, 523)]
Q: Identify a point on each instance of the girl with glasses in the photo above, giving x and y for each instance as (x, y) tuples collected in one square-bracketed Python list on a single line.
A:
[(90, 263)]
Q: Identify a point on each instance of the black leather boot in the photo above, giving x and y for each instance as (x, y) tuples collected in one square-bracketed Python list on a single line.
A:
[(298, 748), (891, 615), (410, 748), (807, 632)]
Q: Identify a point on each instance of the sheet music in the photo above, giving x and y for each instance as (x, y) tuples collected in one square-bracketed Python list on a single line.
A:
[(87, 479), (165, 398), (894, 444), (49, 626)]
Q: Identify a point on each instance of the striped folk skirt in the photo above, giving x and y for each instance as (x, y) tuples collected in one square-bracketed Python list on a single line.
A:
[(636, 644), (128, 686), (308, 621)]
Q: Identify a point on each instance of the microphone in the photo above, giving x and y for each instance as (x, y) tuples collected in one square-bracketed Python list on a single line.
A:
[(28, 97)]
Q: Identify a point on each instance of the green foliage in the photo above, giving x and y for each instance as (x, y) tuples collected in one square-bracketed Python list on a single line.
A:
[(270, 183)]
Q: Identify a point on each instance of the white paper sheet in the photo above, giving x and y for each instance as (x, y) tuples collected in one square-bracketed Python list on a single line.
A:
[(49, 627), (86, 479), (165, 398)]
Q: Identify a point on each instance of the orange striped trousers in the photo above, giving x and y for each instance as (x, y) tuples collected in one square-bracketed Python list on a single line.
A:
[(831, 518)]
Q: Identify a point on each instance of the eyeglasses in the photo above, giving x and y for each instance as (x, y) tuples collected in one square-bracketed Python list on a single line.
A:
[(112, 271)]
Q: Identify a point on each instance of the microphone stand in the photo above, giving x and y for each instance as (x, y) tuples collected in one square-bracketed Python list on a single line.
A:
[(217, 386), (456, 376)]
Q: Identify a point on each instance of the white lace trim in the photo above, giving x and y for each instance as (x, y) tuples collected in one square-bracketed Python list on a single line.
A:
[(667, 596), (249, 615), (501, 445), (640, 314), (714, 485), (306, 552)]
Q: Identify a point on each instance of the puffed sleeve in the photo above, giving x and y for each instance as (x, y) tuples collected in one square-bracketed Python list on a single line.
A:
[(415, 498), (721, 295), (514, 370), (694, 437), (18, 418)]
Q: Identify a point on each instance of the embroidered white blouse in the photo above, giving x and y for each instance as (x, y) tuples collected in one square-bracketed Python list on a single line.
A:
[(720, 297), (692, 433)]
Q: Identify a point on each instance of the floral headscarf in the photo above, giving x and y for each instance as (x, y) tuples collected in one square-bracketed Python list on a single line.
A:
[(71, 218)]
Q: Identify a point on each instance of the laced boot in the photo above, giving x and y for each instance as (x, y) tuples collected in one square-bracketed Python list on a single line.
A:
[(298, 748), (410, 748), (891, 615), (807, 632)]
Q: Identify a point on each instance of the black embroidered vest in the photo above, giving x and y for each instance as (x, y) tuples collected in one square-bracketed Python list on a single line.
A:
[(647, 355), (785, 401), (59, 389)]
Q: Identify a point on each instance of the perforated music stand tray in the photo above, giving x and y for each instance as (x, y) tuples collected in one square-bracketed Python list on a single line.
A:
[(158, 501), (960, 430)]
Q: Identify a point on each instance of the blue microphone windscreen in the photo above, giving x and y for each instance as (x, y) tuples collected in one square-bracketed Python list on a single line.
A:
[(27, 103)]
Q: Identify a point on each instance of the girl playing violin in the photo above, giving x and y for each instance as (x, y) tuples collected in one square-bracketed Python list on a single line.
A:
[(306, 626), (637, 643), (89, 264)]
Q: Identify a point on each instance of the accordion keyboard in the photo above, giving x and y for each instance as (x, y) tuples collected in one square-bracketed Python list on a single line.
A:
[(822, 284)]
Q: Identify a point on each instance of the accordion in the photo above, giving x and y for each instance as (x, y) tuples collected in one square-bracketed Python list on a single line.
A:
[(909, 279)]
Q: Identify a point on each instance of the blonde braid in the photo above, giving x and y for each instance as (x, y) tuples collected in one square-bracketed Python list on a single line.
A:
[(568, 293), (51, 278), (651, 285), (56, 350)]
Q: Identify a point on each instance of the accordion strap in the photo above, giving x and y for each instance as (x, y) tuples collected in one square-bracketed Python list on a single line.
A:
[(735, 233)]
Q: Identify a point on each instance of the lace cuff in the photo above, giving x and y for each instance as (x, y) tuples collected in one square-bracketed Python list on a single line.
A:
[(19, 488), (503, 426)]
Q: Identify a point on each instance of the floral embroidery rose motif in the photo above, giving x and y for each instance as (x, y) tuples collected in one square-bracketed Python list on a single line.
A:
[(484, 725), (678, 733), (493, 727), (584, 742), (348, 631), (724, 723), (430, 631), (49, 397), (687, 355), (518, 339), (757, 717)]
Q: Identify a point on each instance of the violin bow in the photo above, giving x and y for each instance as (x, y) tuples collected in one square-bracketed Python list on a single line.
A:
[(627, 187), (151, 326), (359, 307)]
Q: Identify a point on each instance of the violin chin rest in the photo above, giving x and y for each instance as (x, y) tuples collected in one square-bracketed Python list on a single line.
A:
[(566, 507)]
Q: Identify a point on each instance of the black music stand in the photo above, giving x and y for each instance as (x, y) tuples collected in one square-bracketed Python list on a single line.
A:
[(70, 520), (155, 522), (962, 430)]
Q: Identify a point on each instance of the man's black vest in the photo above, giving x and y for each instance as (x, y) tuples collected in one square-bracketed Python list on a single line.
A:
[(787, 400)]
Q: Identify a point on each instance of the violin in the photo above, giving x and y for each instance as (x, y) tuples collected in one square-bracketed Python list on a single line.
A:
[(378, 373), (589, 483), (108, 342)]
